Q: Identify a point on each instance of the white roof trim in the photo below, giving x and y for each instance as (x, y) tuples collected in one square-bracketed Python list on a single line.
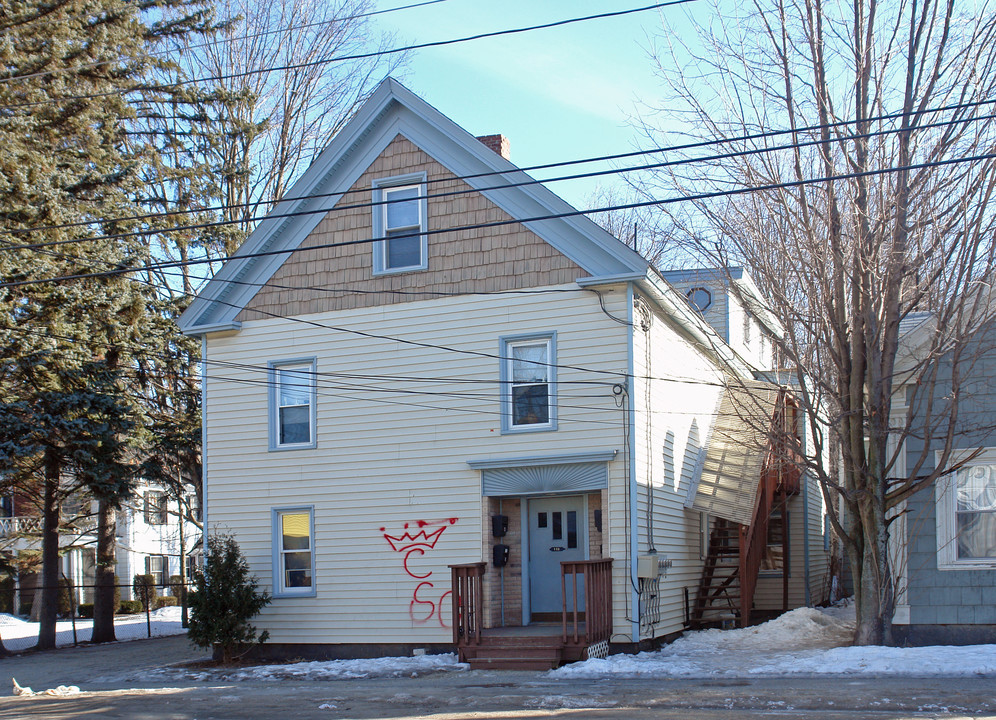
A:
[(392, 110)]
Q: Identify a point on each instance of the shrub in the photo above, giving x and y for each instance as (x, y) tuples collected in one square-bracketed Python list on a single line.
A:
[(164, 601), (85, 610), (66, 599), (225, 599), (175, 585), (7, 595), (144, 587), (130, 607)]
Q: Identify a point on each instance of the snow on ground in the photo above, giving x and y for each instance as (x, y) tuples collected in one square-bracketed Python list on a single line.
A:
[(332, 669), (20, 634), (806, 641)]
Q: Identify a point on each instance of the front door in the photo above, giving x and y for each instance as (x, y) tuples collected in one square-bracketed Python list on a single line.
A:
[(557, 531)]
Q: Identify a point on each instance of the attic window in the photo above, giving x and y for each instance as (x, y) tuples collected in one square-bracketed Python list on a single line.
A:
[(399, 217), (699, 298)]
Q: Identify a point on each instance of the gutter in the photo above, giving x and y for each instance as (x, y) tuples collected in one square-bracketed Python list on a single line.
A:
[(687, 319), (204, 449), (631, 449)]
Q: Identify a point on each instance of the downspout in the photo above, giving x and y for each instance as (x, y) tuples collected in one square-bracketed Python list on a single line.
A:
[(805, 537), (204, 453), (633, 521)]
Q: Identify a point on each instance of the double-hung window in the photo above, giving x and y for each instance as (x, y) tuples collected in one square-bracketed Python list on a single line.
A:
[(966, 514), (155, 508), (399, 218), (292, 404), (155, 565), (528, 380), (293, 551)]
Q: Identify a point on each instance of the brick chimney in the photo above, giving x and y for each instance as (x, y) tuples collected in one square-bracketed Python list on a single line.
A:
[(498, 143)]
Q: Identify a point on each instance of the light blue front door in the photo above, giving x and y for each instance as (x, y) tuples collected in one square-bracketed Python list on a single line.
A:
[(558, 530)]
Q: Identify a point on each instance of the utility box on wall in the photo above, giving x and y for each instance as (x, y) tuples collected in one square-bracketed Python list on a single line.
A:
[(648, 566)]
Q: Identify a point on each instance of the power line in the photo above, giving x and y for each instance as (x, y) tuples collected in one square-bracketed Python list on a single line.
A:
[(358, 56), (248, 36), (513, 221), (503, 173)]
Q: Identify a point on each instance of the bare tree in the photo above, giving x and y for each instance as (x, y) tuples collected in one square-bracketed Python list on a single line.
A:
[(871, 209), (286, 91)]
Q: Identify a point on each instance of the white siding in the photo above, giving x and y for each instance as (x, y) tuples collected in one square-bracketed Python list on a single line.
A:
[(675, 385), (395, 451)]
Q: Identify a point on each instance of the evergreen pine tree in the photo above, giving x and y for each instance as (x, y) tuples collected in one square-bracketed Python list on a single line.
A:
[(68, 410), (226, 598)]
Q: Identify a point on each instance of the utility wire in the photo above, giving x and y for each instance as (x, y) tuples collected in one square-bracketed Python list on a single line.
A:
[(247, 36), (530, 181), (514, 221), (355, 56)]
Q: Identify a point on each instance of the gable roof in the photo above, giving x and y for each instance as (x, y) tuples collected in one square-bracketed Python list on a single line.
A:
[(392, 110)]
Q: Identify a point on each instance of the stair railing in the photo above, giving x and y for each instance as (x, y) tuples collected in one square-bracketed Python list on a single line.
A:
[(754, 537), (468, 604), (597, 586)]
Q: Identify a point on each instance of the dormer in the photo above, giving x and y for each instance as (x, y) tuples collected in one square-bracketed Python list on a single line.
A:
[(720, 296)]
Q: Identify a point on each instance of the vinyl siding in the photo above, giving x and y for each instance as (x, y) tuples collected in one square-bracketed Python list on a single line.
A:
[(395, 451), (675, 385)]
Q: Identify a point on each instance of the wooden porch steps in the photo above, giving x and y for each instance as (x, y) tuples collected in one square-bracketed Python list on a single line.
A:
[(516, 653)]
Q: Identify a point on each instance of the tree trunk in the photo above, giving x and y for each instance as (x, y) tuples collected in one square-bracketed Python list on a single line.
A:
[(103, 598), (49, 591), (874, 598)]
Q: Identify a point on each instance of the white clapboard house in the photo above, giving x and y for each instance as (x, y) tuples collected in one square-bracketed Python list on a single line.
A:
[(443, 408)]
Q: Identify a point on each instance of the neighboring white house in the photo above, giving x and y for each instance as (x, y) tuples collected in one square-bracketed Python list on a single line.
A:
[(426, 359), (148, 533)]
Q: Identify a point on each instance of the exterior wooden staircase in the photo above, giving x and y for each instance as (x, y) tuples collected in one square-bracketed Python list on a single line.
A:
[(729, 576), (541, 646)]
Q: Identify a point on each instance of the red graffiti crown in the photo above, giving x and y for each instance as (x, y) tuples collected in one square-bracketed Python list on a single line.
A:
[(408, 541)]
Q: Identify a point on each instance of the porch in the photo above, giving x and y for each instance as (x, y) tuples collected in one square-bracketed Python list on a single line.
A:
[(583, 631)]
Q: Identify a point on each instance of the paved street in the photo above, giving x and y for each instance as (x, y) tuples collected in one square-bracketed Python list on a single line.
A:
[(118, 684)]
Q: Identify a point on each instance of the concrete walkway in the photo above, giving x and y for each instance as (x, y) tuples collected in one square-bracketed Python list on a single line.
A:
[(95, 666)]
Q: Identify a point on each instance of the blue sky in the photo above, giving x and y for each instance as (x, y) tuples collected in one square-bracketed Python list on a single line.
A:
[(557, 94)]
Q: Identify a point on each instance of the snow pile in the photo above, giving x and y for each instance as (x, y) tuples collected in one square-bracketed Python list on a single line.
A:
[(805, 641), (11, 621), (385, 667), (19, 634)]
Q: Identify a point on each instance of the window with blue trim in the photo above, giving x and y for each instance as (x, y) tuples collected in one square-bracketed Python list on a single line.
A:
[(292, 404), (293, 552), (400, 219), (528, 377)]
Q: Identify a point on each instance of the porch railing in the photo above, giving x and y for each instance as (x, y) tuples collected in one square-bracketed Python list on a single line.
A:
[(468, 603), (597, 599), (19, 524)]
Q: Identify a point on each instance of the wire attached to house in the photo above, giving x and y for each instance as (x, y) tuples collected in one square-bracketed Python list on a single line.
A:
[(504, 223), (503, 174)]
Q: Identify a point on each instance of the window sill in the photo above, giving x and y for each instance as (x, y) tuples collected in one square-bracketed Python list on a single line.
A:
[(968, 565), (517, 429), (285, 448), (285, 595), (401, 271)]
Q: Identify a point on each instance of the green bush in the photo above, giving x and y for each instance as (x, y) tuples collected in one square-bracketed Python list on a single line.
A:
[(144, 587), (7, 595), (165, 601), (175, 585), (130, 607), (226, 598), (67, 600), (85, 610)]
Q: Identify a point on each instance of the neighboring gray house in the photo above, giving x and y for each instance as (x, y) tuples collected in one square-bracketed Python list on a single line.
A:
[(944, 545)]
